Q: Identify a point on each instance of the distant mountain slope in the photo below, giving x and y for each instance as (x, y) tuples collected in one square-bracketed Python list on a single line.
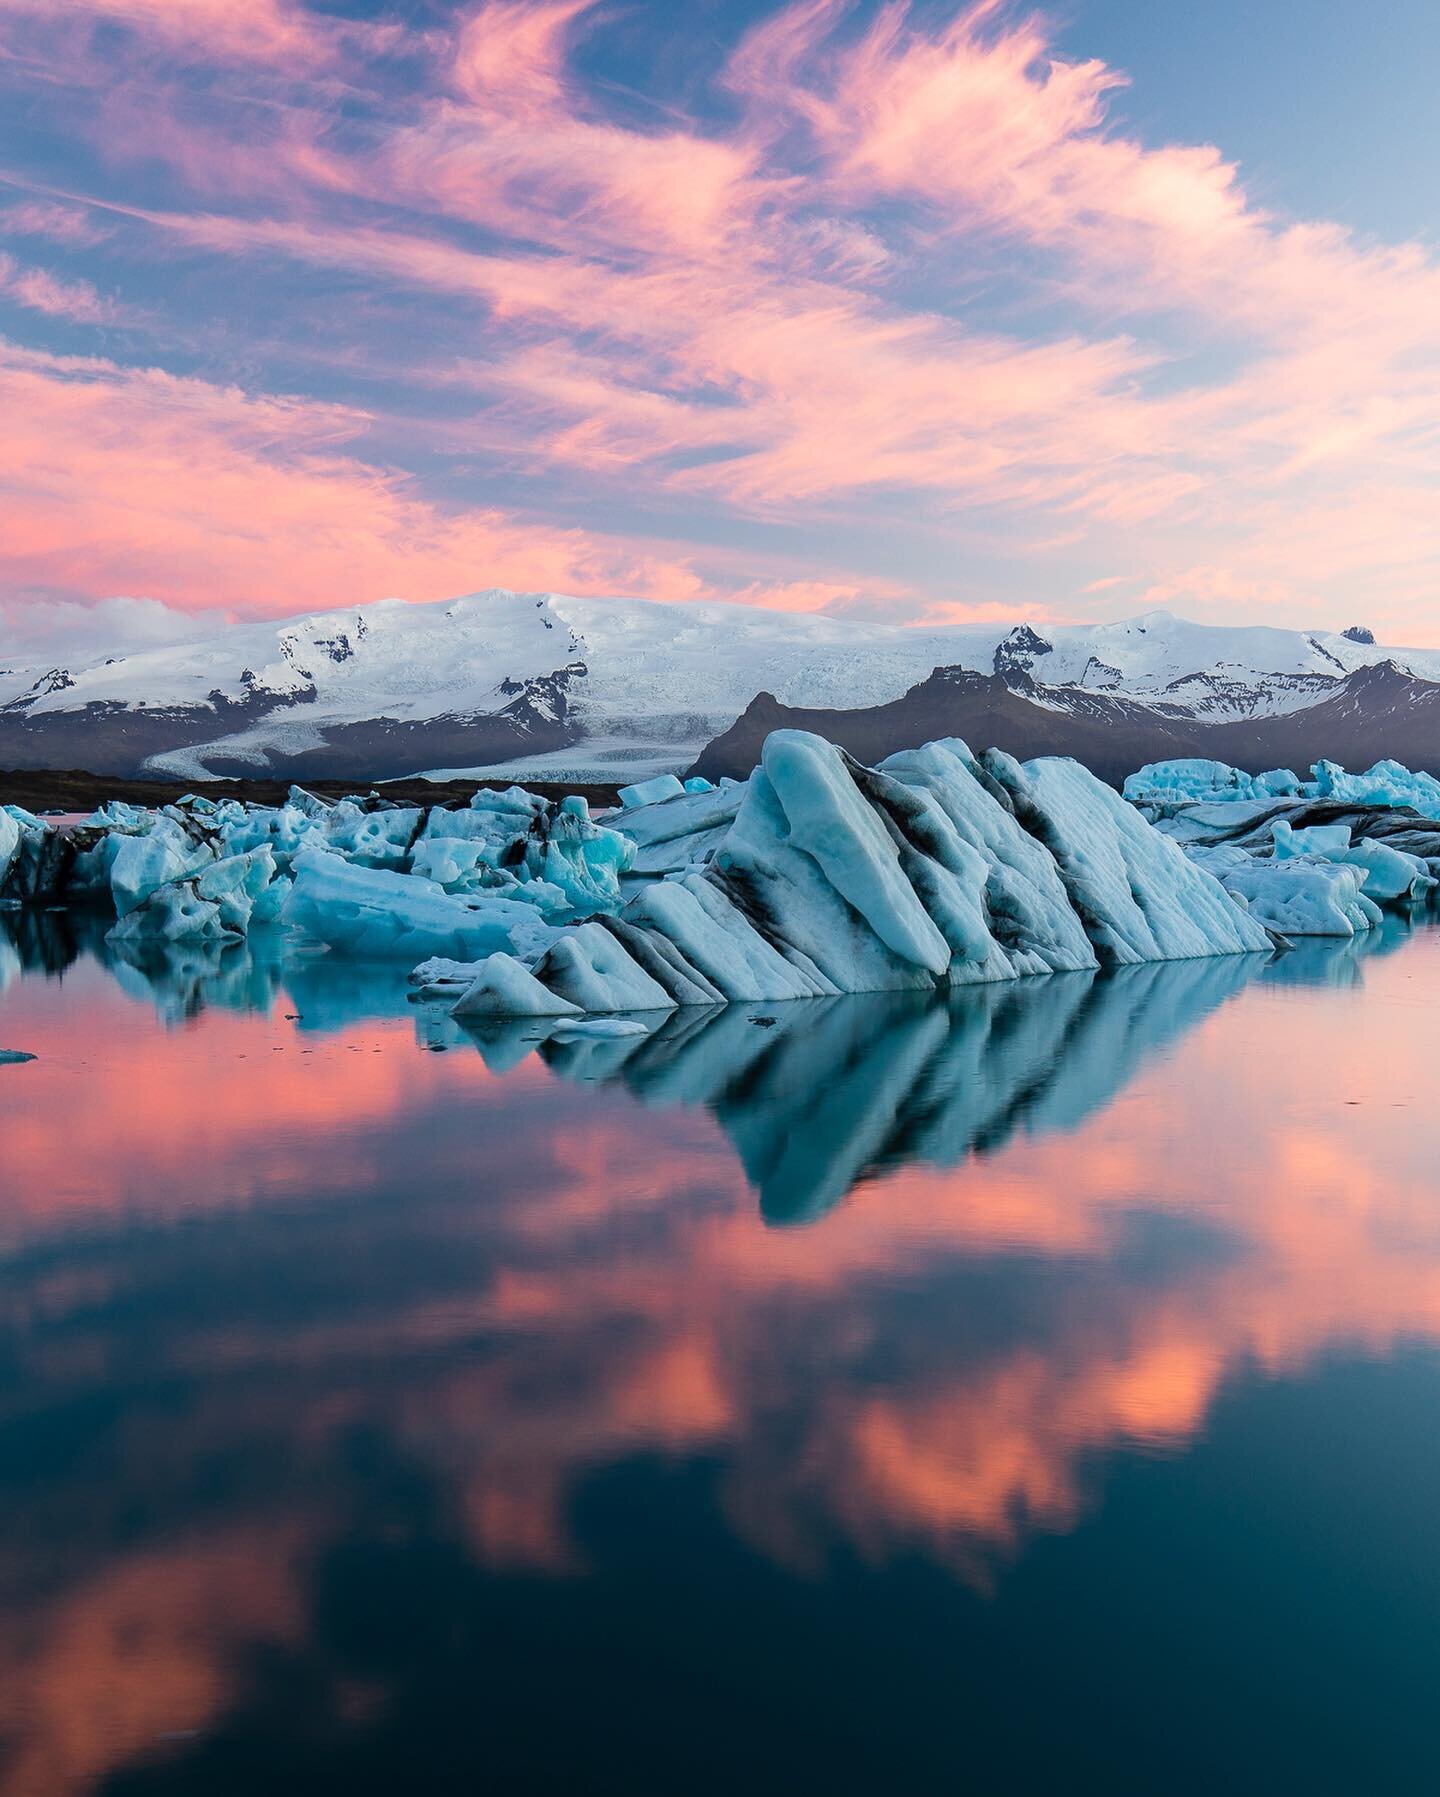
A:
[(546, 686), (1374, 712)]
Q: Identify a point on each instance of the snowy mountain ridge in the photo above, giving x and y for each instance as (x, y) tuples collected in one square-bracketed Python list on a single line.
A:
[(556, 686)]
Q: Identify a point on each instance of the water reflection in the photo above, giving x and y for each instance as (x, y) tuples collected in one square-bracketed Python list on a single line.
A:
[(818, 1097), (362, 1409)]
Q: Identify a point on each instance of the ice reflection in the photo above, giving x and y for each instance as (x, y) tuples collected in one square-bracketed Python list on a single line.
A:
[(820, 1095)]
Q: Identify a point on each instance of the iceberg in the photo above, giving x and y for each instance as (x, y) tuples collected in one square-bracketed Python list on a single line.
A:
[(935, 870), (1388, 783), (1197, 779), (1387, 874), (1295, 897), (504, 988), (1188, 781), (816, 876), (1287, 849), (648, 792)]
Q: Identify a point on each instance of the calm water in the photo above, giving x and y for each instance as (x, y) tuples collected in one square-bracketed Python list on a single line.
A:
[(1036, 1392)]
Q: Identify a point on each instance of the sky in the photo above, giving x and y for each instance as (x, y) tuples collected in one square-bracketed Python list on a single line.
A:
[(921, 313)]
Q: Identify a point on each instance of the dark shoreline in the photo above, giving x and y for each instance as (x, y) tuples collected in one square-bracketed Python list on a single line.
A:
[(73, 789)]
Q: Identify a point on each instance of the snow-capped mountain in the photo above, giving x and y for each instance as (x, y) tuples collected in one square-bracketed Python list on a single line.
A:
[(554, 687)]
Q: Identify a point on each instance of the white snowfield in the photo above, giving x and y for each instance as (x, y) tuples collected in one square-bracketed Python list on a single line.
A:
[(1374, 841), (470, 656)]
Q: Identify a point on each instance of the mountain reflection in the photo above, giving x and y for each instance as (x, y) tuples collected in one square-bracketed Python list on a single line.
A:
[(338, 1374)]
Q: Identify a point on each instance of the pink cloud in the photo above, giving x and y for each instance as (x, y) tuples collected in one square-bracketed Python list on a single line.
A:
[(211, 30), (769, 315), (70, 225), (135, 481), (42, 291)]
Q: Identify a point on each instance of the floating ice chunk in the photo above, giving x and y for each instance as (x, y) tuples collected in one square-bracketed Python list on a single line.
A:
[(369, 913), (698, 783), (454, 862), (141, 864), (648, 792), (377, 839), (1190, 778), (514, 799), (1388, 873), (307, 803), (270, 905), (521, 840), (1296, 897), (600, 1026), (13, 1057), (1387, 783), (675, 834), (1187, 780), (172, 913), (1320, 842), (1138, 896), (286, 832), (503, 988), (440, 971), (585, 860), (236, 886)]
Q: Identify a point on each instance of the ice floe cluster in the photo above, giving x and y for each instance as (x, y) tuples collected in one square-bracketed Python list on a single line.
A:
[(817, 876), (367, 876), (1319, 857)]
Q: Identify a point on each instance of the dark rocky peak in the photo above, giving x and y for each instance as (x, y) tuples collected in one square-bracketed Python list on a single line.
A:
[(1018, 653), (338, 648), (55, 681), (1381, 678), (954, 676), (543, 699), (1357, 633)]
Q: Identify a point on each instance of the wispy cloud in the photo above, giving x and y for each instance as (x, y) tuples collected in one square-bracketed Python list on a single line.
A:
[(881, 271)]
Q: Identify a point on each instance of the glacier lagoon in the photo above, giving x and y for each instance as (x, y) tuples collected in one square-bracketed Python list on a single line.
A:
[(1029, 1388)]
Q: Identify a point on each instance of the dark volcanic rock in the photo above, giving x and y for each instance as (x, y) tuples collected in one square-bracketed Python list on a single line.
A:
[(1357, 633), (1104, 731), (1378, 711)]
